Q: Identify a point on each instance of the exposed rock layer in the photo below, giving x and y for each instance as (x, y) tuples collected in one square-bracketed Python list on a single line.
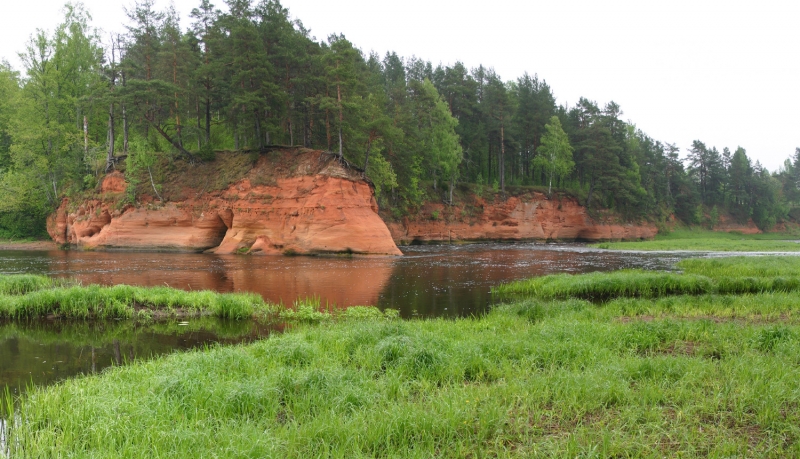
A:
[(532, 216), (308, 202), (320, 206)]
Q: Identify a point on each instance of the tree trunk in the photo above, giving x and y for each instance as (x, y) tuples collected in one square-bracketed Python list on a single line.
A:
[(258, 131), (110, 156), (452, 185), (328, 127), (501, 163), (174, 143), (366, 157), (208, 120), (341, 117), (153, 184), (85, 138), (199, 128)]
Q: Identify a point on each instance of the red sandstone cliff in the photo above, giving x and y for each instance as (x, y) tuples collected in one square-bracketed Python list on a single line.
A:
[(304, 202), (316, 205), (530, 216)]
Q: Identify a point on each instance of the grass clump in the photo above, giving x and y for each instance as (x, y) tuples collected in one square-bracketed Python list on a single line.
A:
[(601, 286), (20, 284), (309, 310), (123, 302), (771, 266), (725, 276), (536, 378), (696, 240)]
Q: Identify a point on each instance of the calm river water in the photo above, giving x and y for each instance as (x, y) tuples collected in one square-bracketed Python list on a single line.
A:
[(428, 281)]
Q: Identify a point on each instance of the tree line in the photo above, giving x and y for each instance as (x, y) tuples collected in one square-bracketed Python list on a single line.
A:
[(249, 76)]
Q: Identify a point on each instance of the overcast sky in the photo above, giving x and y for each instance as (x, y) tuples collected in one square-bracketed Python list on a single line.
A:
[(724, 72)]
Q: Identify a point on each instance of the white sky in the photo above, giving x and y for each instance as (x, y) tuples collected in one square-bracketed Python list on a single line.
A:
[(726, 72)]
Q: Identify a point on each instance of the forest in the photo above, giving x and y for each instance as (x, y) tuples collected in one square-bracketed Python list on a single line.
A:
[(248, 76)]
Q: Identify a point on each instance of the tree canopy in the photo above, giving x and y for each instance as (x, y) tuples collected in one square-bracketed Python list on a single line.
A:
[(250, 76)]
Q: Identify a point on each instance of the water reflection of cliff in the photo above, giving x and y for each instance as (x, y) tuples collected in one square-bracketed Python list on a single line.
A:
[(429, 281), (335, 281)]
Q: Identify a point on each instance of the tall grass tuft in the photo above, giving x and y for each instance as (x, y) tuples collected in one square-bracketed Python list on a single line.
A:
[(604, 286), (20, 284), (123, 302)]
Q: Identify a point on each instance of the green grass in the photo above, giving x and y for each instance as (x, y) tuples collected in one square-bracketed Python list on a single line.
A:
[(664, 367), (747, 266), (601, 286), (28, 297), (735, 275), (633, 378), (697, 240), (20, 284)]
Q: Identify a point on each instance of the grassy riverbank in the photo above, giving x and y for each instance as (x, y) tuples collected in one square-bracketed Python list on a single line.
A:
[(734, 275), (30, 296), (690, 375), (711, 241)]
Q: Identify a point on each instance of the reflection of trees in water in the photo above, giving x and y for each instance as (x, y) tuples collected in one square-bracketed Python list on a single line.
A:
[(43, 352)]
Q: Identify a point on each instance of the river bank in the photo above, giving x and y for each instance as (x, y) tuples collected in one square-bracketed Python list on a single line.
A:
[(28, 245), (689, 375), (712, 241)]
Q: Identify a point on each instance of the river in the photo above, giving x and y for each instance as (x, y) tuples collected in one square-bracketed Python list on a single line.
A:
[(429, 281)]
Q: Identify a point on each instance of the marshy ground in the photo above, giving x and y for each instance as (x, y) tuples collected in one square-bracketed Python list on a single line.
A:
[(659, 364)]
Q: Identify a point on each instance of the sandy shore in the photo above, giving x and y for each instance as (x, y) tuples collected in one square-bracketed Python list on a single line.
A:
[(28, 245)]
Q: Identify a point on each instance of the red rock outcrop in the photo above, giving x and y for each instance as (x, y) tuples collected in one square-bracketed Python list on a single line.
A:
[(318, 206), (299, 201), (728, 225), (529, 217)]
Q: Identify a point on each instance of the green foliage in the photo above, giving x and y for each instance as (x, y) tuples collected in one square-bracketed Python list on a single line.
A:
[(543, 377), (697, 240), (382, 175), (603, 286), (713, 217), (555, 152), (730, 276), (35, 297), (252, 76)]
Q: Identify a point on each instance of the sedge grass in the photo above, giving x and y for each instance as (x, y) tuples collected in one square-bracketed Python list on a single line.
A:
[(600, 286), (734, 275), (537, 378), (697, 240), (20, 284), (768, 266), (124, 301)]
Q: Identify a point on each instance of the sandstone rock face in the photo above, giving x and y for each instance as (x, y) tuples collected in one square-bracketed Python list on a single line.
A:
[(728, 225), (531, 217), (306, 214), (322, 207)]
